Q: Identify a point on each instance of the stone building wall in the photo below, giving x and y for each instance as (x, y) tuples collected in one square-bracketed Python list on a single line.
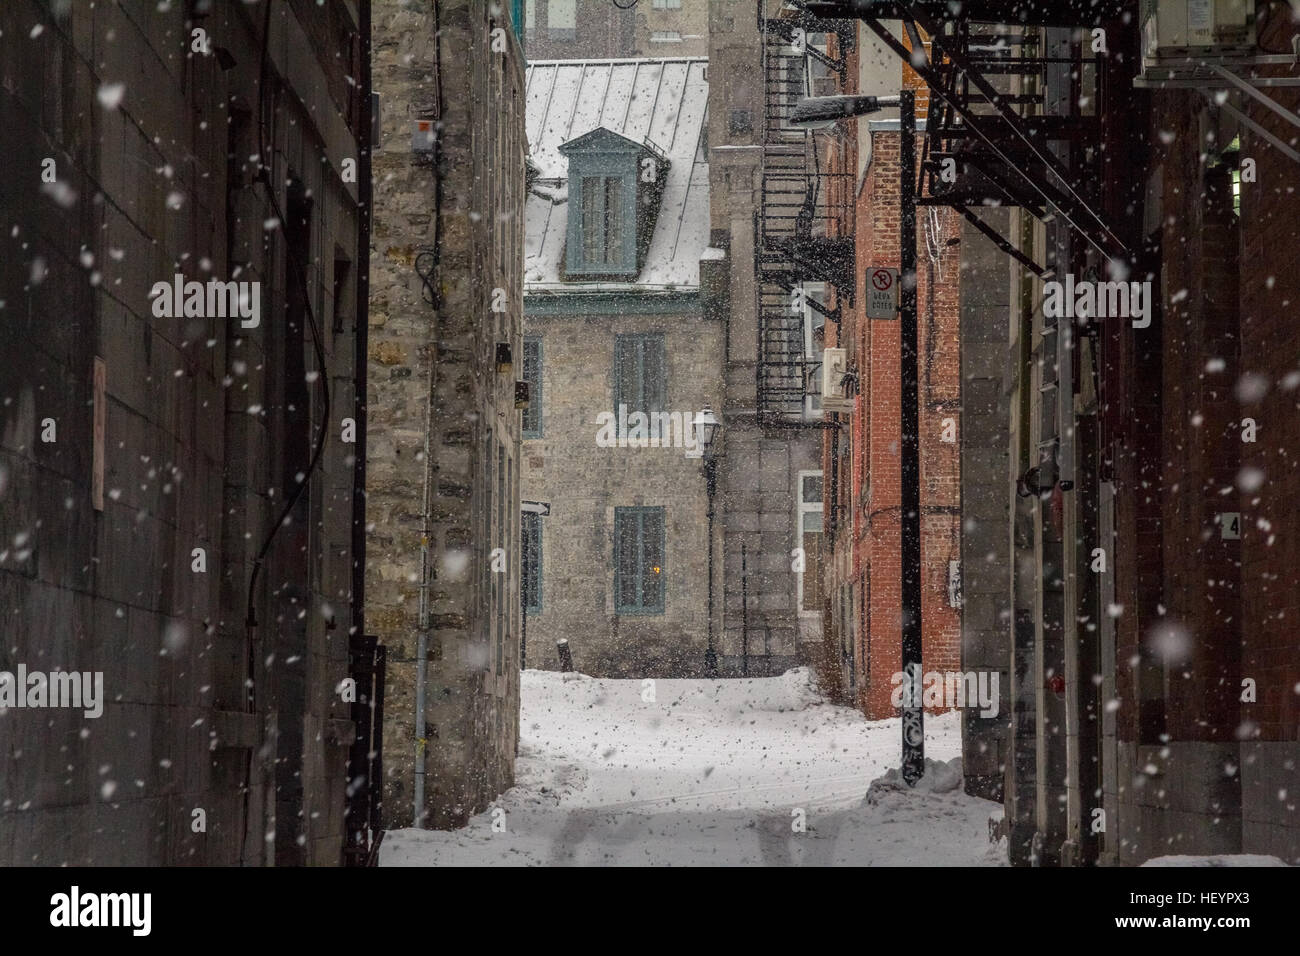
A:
[(985, 498), (757, 616), (602, 31), (206, 429), (584, 482), (442, 417)]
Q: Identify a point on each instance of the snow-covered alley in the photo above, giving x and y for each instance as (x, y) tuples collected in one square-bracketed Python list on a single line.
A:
[(712, 772)]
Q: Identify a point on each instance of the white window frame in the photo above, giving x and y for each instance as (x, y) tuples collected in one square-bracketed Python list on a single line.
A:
[(802, 508), (813, 351)]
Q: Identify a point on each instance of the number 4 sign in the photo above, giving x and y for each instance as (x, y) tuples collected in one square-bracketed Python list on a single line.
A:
[(1230, 524)]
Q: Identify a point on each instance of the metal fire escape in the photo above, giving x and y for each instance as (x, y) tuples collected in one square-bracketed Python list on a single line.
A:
[(804, 226), (988, 141)]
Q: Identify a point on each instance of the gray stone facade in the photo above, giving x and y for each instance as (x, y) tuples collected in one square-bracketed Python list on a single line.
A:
[(634, 606), (444, 431), (761, 627), (985, 500), (594, 29), (222, 741), (584, 483)]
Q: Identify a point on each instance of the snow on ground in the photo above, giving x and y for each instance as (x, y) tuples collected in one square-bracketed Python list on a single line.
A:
[(712, 772), (1227, 859)]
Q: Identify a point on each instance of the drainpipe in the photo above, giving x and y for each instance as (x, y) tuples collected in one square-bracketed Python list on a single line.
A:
[(430, 280), (422, 622), (361, 357), (422, 645), (361, 333)]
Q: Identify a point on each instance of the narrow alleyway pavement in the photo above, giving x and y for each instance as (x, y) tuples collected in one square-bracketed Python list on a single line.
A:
[(712, 772)]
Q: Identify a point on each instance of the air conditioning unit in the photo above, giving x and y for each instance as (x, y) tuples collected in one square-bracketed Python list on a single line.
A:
[(1183, 29), (835, 366)]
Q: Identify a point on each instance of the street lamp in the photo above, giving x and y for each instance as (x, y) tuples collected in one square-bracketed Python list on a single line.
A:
[(818, 112), (706, 428), (707, 425), (822, 112)]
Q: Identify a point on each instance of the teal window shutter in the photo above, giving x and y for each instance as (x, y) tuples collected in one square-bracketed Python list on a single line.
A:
[(640, 373), (532, 418), (532, 562), (639, 554)]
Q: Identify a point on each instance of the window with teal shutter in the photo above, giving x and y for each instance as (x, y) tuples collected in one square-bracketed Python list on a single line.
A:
[(532, 562), (532, 418), (639, 572), (615, 188), (602, 221), (640, 373)]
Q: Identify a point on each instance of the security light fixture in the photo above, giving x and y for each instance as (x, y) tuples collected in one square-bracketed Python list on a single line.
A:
[(821, 112)]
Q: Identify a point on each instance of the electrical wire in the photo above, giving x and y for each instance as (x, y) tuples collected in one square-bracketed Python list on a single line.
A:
[(250, 619), (265, 174)]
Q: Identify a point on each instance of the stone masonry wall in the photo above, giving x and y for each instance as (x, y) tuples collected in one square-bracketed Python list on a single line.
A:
[(439, 257), (584, 483)]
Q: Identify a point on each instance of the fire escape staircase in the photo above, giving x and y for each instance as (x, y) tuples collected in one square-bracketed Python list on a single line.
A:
[(804, 226), (988, 141)]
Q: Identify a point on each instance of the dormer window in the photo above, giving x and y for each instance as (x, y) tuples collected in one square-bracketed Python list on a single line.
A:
[(602, 221), (615, 186)]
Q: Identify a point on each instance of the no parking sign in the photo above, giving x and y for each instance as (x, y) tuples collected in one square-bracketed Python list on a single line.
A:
[(882, 293)]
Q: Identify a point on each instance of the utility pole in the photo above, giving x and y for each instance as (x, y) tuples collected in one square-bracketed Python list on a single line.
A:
[(910, 448), (819, 112)]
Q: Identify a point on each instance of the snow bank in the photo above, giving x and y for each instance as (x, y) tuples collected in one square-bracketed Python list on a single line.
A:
[(939, 777), (792, 691), (1227, 859), (747, 772)]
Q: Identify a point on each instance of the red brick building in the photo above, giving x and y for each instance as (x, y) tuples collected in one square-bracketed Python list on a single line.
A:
[(1204, 423), (861, 456), (1121, 484)]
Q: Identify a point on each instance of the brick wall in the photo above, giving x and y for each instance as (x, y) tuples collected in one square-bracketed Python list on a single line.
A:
[(1203, 612), (868, 446)]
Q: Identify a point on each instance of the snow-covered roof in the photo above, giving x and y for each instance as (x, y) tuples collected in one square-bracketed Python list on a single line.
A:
[(661, 103)]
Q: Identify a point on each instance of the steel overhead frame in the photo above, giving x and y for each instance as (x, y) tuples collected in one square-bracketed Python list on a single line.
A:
[(1013, 147), (1007, 152), (1249, 87), (1208, 75), (1196, 74)]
